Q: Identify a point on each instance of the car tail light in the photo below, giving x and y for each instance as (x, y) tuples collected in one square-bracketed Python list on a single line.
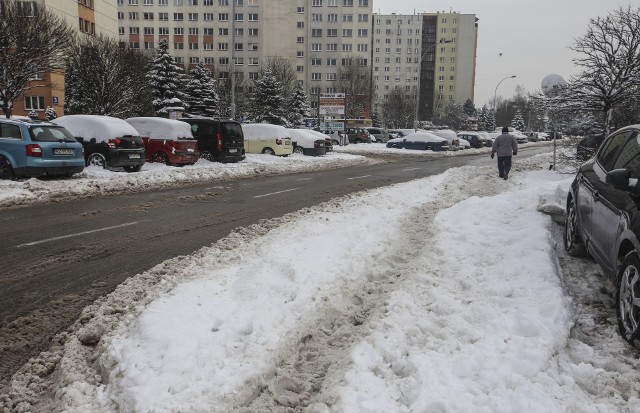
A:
[(114, 143), (278, 141), (219, 142), (34, 150)]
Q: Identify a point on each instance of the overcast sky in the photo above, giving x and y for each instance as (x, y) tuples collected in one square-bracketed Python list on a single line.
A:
[(533, 36)]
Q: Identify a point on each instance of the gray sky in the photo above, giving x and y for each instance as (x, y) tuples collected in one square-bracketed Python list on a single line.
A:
[(533, 36)]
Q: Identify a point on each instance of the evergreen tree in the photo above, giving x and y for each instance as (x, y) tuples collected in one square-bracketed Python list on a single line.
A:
[(298, 107), (50, 114), (491, 121), (376, 120), (166, 79), (518, 122), (201, 91), (469, 108), (482, 118), (268, 100), (33, 114)]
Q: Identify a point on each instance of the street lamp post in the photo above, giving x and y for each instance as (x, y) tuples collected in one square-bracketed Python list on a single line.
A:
[(496, 91), (429, 49)]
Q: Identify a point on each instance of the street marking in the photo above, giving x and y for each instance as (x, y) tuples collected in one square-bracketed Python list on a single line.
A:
[(275, 193), (360, 177), (410, 169), (77, 234), (304, 179)]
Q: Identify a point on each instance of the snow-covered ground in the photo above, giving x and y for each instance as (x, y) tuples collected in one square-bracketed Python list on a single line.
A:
[(445, 294)]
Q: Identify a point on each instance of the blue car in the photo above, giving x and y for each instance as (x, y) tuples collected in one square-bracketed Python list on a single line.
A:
[(33, 148)]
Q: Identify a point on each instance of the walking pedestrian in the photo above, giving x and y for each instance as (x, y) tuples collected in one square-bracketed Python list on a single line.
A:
[(505, 146)]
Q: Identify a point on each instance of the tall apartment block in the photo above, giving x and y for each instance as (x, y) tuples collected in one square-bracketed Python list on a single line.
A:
[(320, 38), (90, 17), (432, 52)]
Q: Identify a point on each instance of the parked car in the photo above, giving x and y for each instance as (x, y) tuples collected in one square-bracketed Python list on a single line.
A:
[(532, 136), (328, 141), (358, 135), (219, 140), (450, 136), (588, 146), (378, 134), (473, 138), (420, 140), (166, 141), (267, 139), (33, 148), (307, 143), (464, 144), (107, 141), (488, 137), (603, 219)]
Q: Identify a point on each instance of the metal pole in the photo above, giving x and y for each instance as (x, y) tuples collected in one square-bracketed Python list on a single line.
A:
[(496, 91), (232, 71)]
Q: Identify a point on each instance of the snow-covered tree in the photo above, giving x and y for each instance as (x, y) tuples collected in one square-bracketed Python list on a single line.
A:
[(469, 108), (50, 114), (298, 107), (482, 118), (398, 110), (454, 116), (166, 79), (518, 122), (201, 91), (490, 121), (30, 44), (609, 59), (267, 103), (33, 114)]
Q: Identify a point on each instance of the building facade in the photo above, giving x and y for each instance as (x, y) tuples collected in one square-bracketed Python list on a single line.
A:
[(91, 17), (432, 54)]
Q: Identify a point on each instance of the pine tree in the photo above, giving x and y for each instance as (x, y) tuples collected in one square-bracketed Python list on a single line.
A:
[(491, 121), (469, 108), (298, 107), (50, 114), (201, 91), (166, 79), (268, 101), (482, 118), (518, 121), (33, 114)]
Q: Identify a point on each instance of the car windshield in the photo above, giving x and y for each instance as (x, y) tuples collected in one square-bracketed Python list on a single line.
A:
[(232, 130), (42, 133)]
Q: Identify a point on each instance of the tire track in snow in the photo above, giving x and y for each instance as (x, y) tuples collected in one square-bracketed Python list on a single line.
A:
[(316, 355)]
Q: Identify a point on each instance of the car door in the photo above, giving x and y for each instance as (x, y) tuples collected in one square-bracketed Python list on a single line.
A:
[(608, 202)]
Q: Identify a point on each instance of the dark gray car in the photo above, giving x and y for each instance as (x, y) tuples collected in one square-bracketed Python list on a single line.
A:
[(378, 135)]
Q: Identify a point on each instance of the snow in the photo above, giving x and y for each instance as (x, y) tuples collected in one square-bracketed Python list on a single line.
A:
[(100, 128), (303, 137), (420, 136), (257, 131), (452, 300), (161, 128)]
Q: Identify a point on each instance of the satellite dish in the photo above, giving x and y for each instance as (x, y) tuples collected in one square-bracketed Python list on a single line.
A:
[(550, 82)]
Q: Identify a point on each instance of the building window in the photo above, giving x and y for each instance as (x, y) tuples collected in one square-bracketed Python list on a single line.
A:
[(253, 32), (133, 15), (253, 17), (163, 16), (347, 32), (178, 31), (193, 16), (120, 29), (316, 3), (178, 46), (363, 33), (331, 61), (252, 46), (316, 32), (178, 16), (363, 3), (134, 30), (193, 30), (120, 15), (34, 102), (223, 17), (207, 16), (148, 2), (299, 54), (300, 39), (316, 17), (347, 3), (316, 76), (223, 46), (347, 18), (207, 46), (223, 31), (239, 17), (194, 60), (362, 18), (239, 47), (193, 46), (252, 61), (316, 47), (332, 47), (332, 32), (332, 76), (223, 60), (147, 16), (133, 2)]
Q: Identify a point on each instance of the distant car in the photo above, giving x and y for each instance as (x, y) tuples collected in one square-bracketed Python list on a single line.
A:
[(33, 148), (378, 134), (603, 219), (450, 136), (488, 138), (307, 143), (464, 144), (219, 140), (267, 139), (473, 138), (532, 136), (421, 141), (108, 141), (358, 135), (328, 141), (588, 146), (166, 141)]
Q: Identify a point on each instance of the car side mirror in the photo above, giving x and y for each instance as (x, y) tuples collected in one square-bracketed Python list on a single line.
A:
[(621, 179)]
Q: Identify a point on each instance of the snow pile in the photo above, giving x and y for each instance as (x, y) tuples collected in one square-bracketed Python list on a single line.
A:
[(161, 128), (100, 128)]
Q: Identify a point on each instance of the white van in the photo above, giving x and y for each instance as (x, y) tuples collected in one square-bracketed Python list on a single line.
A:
[(267, 139)]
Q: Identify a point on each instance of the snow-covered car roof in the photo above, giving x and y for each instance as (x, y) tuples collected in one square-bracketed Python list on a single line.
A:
[(303, 137), (420, 136), (254, 131), (161, 128), (100, 128), (318, 134)]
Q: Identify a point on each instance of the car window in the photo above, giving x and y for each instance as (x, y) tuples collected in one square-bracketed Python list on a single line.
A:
[(608, 154), (630, 155), (10, 131), (231, 130), (50, 134)]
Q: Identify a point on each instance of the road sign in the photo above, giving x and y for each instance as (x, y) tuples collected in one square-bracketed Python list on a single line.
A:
[(331, 104), (332, 126)]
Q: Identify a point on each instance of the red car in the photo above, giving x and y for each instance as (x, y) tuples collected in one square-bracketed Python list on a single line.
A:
[(167, 141)]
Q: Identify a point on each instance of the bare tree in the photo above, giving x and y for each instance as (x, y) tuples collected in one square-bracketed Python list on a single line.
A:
[(284, 73), (355, 82), (398, 110), (32, 41), (610, 63)]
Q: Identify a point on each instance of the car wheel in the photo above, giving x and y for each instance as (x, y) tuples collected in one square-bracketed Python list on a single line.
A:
[(335, 142), (572, 242), (206, 155), (298, 149), (357, 141), (133, 168), (268, 151), (6, 171), (628, 298), (97, 159), (160, 157)]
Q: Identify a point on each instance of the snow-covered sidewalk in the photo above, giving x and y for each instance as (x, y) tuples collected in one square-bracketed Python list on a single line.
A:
[(442, 295)]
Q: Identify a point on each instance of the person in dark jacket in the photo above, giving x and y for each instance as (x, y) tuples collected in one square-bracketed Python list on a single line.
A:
[(505, 146)]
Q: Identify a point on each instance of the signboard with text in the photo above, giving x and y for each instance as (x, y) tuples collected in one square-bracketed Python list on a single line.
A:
[(332, 126), (331, 104)]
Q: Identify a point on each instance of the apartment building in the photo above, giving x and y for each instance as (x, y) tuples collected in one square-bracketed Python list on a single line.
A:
[(91, 17), (432, 54), (320, 38)]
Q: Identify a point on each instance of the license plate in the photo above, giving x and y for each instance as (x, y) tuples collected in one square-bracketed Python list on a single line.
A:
[(233, 150), (62, 151), (134, 156)]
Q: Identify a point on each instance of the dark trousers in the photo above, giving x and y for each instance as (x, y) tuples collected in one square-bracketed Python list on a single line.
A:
[(504, 165)]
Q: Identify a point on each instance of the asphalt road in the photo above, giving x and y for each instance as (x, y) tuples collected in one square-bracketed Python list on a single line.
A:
[(58, 258)]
